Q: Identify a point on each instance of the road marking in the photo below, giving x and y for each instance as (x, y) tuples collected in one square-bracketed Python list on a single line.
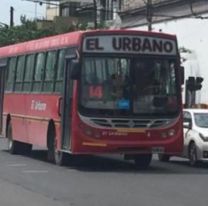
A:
[(35, 171), (16, 165)]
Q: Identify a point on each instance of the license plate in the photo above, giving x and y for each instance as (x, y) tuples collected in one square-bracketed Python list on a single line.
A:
[(158, 149)]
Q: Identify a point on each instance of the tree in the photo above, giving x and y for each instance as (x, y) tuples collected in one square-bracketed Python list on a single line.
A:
[(28, 30)]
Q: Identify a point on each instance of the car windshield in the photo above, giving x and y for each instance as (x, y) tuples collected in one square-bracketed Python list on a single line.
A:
[(128, 85), (201, 119)]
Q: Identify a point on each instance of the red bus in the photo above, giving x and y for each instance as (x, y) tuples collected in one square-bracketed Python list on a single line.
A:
[(95, 92)]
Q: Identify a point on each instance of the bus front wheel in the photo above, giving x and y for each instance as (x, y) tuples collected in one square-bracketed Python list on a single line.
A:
[(164, 157), (54, 155), (60, 158), (142, 161)]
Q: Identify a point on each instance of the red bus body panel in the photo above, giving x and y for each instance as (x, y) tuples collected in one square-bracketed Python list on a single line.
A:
[(29, 120)]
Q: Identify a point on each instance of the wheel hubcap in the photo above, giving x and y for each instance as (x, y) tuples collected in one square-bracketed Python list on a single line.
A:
[(10, 143)]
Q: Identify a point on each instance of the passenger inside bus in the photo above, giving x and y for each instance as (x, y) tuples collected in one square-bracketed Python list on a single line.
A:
[(116, 85), (119, 86), (144, 78)]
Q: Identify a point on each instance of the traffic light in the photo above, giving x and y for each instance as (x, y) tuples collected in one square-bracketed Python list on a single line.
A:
[(190, 84), (198, 83), (194, 84)]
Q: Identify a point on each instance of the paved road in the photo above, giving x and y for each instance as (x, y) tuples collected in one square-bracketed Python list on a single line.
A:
[(99, 181)]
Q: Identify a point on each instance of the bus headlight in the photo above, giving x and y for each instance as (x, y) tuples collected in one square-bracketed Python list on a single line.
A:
[(171, 132)]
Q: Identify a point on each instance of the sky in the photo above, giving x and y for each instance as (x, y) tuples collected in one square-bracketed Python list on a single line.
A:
[(21, 7)]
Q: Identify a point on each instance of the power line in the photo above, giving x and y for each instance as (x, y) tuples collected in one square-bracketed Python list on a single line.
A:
[(42, 2)]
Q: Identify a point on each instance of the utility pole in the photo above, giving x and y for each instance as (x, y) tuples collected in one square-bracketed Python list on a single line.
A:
[(95, 14), (149, 14), (11, 16), (35, 10)]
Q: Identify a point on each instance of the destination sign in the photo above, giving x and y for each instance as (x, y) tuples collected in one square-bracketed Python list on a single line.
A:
[(129, 45)]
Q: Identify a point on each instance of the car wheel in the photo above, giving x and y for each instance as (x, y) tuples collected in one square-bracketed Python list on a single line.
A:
[(193, 154)]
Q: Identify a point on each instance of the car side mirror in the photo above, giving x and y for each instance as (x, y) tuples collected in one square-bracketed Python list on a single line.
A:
[(187, 125)]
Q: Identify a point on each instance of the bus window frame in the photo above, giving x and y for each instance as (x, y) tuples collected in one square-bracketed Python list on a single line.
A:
[(28, 81), (40, 81), (13, 74), (20, 82), (52, 80)]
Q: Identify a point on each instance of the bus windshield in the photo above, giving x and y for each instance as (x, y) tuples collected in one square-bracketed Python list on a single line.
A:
[(128, 86)]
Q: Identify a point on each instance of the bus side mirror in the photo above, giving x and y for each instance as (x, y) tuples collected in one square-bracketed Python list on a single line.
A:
[(182, 74), (76, 70)]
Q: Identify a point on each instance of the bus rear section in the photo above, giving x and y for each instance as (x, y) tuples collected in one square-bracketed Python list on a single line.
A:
[(128, 96)]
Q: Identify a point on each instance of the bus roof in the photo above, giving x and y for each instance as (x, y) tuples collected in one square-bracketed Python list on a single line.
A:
[(68, 39)]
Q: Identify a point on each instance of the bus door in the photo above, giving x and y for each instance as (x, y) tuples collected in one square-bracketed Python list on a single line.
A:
[(3, 63), (67, 102)]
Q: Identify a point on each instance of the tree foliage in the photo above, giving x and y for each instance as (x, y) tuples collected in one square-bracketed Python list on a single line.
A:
[(28, 30)]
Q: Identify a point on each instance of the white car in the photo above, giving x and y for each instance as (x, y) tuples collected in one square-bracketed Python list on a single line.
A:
[(195, 135)]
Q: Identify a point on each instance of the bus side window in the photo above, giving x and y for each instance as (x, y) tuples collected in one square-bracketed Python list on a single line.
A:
[(11, 74), (30, 63), (39, 72), (59, 71), (19, 73), (49, 71)]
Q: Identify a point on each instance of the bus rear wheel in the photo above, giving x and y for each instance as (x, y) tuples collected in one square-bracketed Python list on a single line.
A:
[(142, 161), (13, 146), (25, 148)]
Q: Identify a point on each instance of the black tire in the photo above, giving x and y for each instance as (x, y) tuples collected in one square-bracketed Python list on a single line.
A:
[(60, 158), (25, 148), (193, 154), (13, 146), (164, 157), (54, 155), (51, 144), (142, 161)]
